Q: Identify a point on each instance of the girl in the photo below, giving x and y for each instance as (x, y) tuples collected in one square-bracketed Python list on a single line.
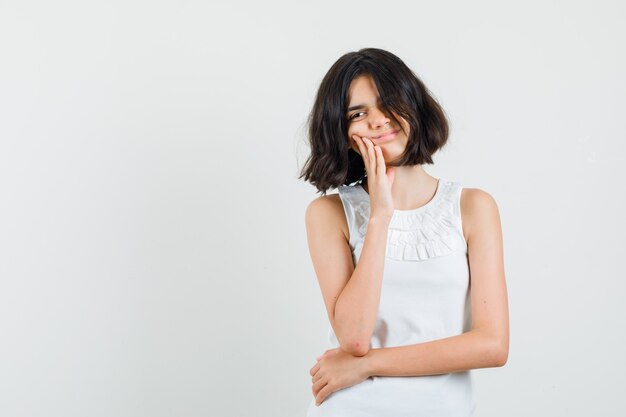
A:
[(394, 250)]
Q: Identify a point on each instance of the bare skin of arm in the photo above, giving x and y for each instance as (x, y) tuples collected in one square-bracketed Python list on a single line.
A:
[(351, 294), (487, 343)]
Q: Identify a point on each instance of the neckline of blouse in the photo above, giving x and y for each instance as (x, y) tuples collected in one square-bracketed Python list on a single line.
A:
[(430, 202)]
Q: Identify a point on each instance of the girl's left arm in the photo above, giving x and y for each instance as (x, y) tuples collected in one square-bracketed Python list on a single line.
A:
[(487, 343)]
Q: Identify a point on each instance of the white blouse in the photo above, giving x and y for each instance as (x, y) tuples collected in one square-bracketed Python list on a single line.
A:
[(424, 296)]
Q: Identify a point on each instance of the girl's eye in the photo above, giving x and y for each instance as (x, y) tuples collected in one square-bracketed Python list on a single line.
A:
[(355, 115)]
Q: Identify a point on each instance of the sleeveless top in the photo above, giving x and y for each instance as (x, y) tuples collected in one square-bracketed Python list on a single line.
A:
[(424, 296)]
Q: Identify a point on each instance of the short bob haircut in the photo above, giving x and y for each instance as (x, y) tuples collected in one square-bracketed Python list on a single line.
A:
[(332, 161)]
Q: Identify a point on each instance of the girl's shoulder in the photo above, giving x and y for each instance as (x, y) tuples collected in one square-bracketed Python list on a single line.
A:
[(477, 206), (328, 210)]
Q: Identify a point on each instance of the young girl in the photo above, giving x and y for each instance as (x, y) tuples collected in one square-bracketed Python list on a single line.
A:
[(394, 250)]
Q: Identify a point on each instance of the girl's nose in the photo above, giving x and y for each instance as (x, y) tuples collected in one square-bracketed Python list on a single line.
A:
[(378, 119)]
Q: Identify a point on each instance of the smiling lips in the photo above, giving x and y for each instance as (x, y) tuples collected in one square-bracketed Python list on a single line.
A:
[(385, 136)]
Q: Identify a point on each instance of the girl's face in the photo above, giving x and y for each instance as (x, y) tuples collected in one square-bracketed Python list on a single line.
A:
[(366, 118)]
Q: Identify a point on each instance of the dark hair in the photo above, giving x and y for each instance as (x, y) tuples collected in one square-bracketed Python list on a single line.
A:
[(332, 161)]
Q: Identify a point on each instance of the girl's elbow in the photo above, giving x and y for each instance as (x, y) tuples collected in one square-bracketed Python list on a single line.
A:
[(501, 354), (356, 348)]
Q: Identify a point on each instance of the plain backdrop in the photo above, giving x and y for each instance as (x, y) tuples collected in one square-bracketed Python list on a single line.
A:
[(153, 255)]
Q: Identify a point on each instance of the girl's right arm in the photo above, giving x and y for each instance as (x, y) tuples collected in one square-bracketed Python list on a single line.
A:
[(352, 294)]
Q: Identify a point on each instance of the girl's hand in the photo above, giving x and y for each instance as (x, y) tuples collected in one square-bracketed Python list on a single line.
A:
[(379, 178), (335, 370)]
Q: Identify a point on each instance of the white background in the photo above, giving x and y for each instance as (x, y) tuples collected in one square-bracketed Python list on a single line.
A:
[(153, 256)]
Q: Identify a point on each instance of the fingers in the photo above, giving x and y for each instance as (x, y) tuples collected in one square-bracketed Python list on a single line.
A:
[(371, 154), (380, 162), (315, 368), (316, 378), (322, 394), (368, 152), (317, 386)]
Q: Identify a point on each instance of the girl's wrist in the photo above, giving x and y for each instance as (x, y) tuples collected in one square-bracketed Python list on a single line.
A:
[(368, 363)]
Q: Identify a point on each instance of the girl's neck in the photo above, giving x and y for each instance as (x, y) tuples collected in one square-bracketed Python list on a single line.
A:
[(412, 187)]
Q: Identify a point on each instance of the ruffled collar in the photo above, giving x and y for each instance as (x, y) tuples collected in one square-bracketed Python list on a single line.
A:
[(419, 234)]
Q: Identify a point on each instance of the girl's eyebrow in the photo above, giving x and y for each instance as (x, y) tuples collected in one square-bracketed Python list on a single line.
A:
[(359, 106)]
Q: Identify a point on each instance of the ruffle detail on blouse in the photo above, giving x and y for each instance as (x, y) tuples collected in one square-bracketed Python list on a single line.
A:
[(416, 235)]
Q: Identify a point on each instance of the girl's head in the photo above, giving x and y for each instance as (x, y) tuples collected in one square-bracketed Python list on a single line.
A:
[(368, 93)]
